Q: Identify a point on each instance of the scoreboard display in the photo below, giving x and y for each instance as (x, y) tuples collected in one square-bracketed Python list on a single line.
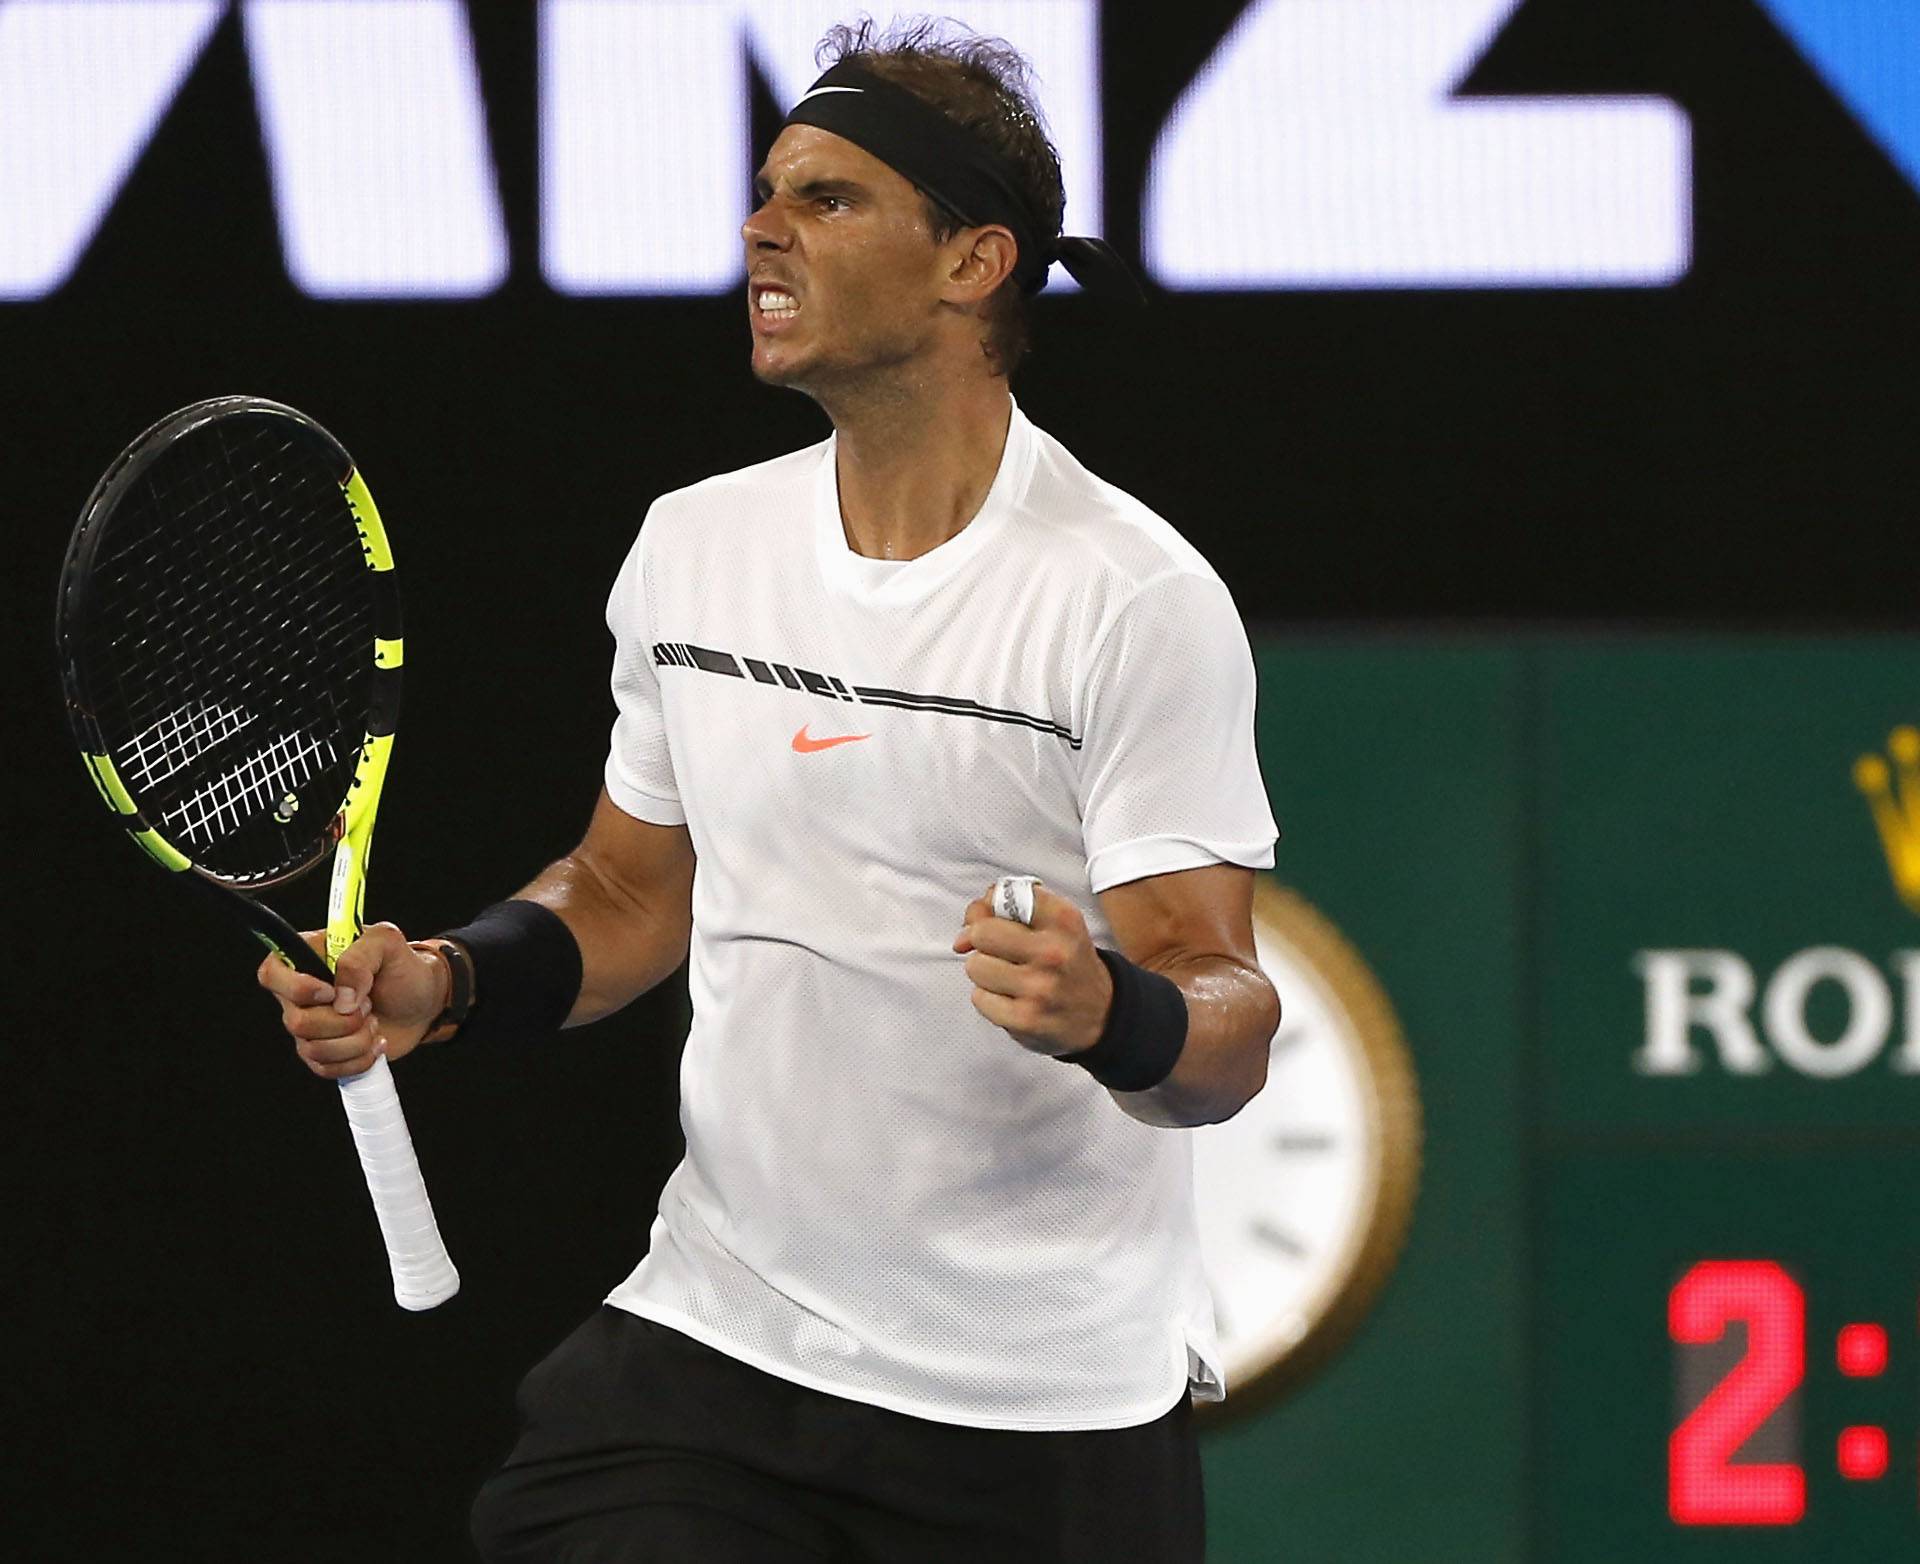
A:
[(1728, 1149), (1647, 911)]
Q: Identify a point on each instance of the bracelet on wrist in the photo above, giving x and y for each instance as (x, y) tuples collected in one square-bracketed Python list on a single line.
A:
[(459, 969)]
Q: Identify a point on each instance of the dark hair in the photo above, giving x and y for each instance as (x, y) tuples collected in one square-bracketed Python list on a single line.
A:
[(986, 85)]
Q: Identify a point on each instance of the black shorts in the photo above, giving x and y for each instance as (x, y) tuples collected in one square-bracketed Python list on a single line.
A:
[(638, 1443)]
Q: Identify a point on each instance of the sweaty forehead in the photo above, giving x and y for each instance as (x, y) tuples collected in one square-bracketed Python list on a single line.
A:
[(806, 154)]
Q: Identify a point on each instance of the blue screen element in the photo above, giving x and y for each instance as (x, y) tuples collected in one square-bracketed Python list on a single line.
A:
[(1868, 53)]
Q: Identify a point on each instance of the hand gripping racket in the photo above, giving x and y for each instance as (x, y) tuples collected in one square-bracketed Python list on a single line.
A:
[(228, 629)]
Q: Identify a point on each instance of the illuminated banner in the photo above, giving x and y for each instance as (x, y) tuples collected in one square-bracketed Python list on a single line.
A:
[(1325, 144), (1321, 147)]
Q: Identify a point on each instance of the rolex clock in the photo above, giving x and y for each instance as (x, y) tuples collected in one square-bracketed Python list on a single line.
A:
[(1305, 1195)]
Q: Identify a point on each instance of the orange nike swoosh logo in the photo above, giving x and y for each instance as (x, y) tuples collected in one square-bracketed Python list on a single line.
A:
[(803, 745)]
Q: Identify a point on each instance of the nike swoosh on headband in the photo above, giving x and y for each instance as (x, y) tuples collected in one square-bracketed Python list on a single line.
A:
[(821, 91)]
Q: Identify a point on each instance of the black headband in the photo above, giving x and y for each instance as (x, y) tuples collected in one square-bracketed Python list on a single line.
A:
[(960, 171)]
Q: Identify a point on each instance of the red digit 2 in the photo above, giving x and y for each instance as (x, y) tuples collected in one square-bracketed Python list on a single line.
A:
[(1704, 1486)]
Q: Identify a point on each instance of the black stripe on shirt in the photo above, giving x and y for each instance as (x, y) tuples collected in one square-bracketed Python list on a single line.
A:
[(703, 659)]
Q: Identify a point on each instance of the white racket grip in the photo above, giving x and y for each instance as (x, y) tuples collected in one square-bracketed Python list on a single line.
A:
[(423, 1273)]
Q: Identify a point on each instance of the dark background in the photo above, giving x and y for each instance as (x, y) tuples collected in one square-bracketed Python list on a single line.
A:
[(207, 1359)]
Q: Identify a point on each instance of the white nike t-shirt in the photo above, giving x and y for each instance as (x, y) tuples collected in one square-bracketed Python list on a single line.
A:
[(884, 1196)]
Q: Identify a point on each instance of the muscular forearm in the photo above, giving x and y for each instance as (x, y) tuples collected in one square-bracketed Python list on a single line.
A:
[(628, 941), (1232, 1012), (1051, 990)]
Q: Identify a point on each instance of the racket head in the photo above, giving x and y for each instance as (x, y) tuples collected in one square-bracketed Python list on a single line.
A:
[(228, 632)]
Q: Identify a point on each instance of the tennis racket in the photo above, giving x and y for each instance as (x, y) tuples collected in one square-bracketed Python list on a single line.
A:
[(228, 628)]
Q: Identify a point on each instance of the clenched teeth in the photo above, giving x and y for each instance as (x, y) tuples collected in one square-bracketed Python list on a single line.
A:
[(774, 302)]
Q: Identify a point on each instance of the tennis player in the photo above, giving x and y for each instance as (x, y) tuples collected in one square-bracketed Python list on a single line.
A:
[(926, 1286)]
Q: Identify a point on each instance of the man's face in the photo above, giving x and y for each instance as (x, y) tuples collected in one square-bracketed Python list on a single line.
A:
[(843, 276)]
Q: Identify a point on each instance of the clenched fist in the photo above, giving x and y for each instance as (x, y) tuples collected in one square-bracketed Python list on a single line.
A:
[(1043, 984)]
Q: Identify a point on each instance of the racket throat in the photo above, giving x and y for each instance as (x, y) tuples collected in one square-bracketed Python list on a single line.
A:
[(345, 891)]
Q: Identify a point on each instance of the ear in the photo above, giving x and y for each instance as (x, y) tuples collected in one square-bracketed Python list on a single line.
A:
[(983, 259)]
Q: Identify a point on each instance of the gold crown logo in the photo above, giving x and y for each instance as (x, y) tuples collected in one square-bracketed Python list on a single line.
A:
[(1893, 794)]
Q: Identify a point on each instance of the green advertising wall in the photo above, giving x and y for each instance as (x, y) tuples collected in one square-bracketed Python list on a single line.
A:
[(1631, 905)]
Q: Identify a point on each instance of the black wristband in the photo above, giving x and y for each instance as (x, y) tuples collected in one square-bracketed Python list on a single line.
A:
[(526, 972), (1146, 1029)]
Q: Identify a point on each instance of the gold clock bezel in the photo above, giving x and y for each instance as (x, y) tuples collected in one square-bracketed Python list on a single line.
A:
[(1392, 1099)]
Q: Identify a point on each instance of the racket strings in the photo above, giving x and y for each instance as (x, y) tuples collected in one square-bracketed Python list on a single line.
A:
[(177, 740), (267, 780), (232, 632)]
